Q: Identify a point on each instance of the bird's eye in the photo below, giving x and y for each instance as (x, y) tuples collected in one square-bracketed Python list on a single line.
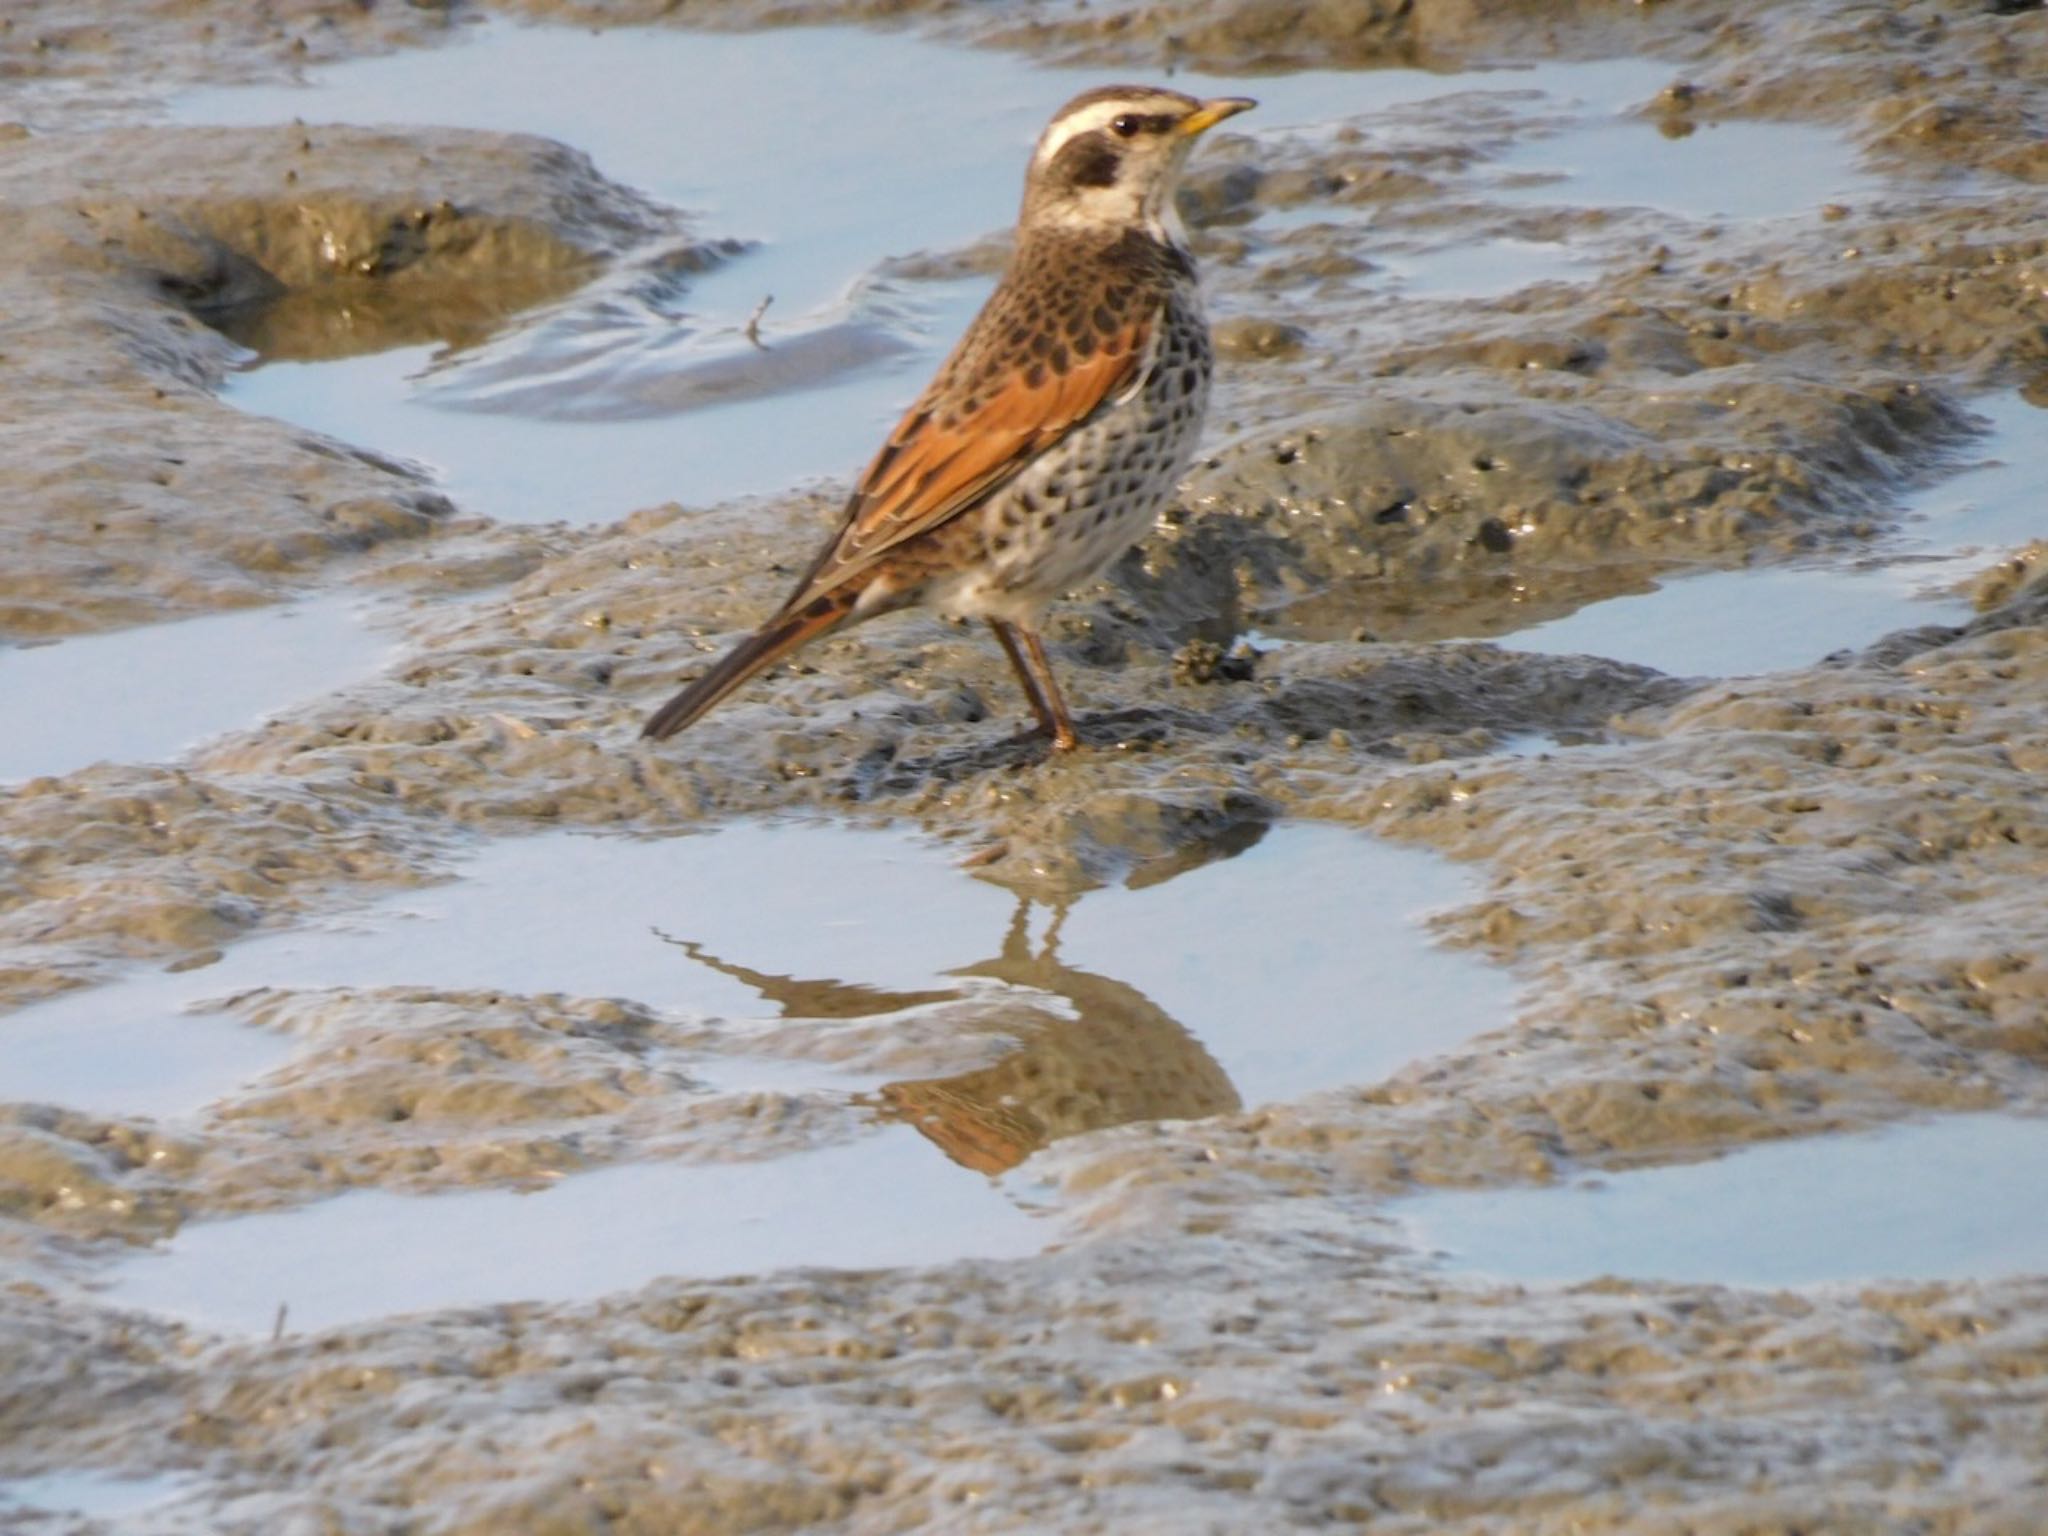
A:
[(1127, 125)]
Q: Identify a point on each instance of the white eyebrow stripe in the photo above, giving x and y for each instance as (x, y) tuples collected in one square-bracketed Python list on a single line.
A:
[(1098, 115), (1090, 118)]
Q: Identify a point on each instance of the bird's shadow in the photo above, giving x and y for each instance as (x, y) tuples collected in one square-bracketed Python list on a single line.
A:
[(1135, 729)]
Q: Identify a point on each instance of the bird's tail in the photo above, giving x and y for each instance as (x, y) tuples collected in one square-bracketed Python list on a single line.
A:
[(758, 652)]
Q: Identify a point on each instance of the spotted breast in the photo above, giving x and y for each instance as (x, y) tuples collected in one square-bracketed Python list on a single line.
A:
[(1055, 431)]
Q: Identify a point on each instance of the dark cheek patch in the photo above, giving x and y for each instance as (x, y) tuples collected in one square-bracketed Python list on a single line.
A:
[(1088, 161)]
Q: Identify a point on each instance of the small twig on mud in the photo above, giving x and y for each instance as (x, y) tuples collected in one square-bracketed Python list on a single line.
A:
[(754, 322), (277, 1328)]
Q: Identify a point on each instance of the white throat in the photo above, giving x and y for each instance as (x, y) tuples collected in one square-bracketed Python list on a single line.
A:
[(1117, 208)]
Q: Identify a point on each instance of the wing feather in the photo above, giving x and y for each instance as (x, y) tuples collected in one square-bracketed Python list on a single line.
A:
[(932, 469)]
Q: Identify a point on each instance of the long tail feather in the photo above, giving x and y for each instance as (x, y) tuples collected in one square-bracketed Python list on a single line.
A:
[(758, 652)]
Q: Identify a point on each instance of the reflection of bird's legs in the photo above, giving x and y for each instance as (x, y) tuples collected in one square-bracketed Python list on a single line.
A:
[(1008, 636), (1017, 942), (1060, 910)]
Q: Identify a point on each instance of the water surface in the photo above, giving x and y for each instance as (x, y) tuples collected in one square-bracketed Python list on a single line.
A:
[(154, 693), (92, 1495), (826, 188), (1951, 1199), (765, 920), (1743, 171), (881, 1200), (1768, 617), (1176, 999)]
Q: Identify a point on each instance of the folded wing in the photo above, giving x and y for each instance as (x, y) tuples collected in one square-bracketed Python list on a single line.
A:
[(932, 470)]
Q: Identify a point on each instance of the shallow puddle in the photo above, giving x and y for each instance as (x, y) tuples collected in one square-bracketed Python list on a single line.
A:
[(131, 1048), (1300, 964), (1951, 1199), (1738, 623), (538, 466), (92, 1495), (793, 920), (883, 1200), (1769, 617), (1488, 268), (828, 188), (130, 696), (1734, 170), (1601, 160)]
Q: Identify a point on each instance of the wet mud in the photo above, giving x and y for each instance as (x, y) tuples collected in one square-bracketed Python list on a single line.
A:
[(1156, 1290), (125, 241)]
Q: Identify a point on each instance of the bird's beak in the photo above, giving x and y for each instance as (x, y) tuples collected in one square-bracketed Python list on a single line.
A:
[(1210, 113)]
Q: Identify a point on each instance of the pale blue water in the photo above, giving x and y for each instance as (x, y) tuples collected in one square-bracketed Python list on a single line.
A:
[(145, 695), (835, 149), (1743, 171), (884, 1199), (1348, 990), (93, 1495), (1965, 1197), (1769, 617)]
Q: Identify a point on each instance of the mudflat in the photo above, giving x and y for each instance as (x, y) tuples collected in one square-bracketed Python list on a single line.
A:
[(847, 1117)]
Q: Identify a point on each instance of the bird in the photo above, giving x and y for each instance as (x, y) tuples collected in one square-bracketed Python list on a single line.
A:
[(1055, 430)]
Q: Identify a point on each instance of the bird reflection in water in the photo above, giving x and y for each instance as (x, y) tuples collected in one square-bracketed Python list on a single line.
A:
[(1117, 1059)]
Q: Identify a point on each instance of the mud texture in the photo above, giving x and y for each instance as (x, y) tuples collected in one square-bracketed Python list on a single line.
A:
[(122, 242), (1786, 906)]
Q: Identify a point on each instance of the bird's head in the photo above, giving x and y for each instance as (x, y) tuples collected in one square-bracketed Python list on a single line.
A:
[(1110, 158)]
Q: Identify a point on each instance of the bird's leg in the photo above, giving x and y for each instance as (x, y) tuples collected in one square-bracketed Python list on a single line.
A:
[(1061, 725), (1008, 636)]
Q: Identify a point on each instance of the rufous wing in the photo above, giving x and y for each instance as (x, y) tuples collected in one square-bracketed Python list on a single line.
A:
[(931, 470)]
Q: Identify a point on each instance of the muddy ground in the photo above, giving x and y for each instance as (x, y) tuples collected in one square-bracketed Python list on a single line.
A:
[(1784, 906)]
